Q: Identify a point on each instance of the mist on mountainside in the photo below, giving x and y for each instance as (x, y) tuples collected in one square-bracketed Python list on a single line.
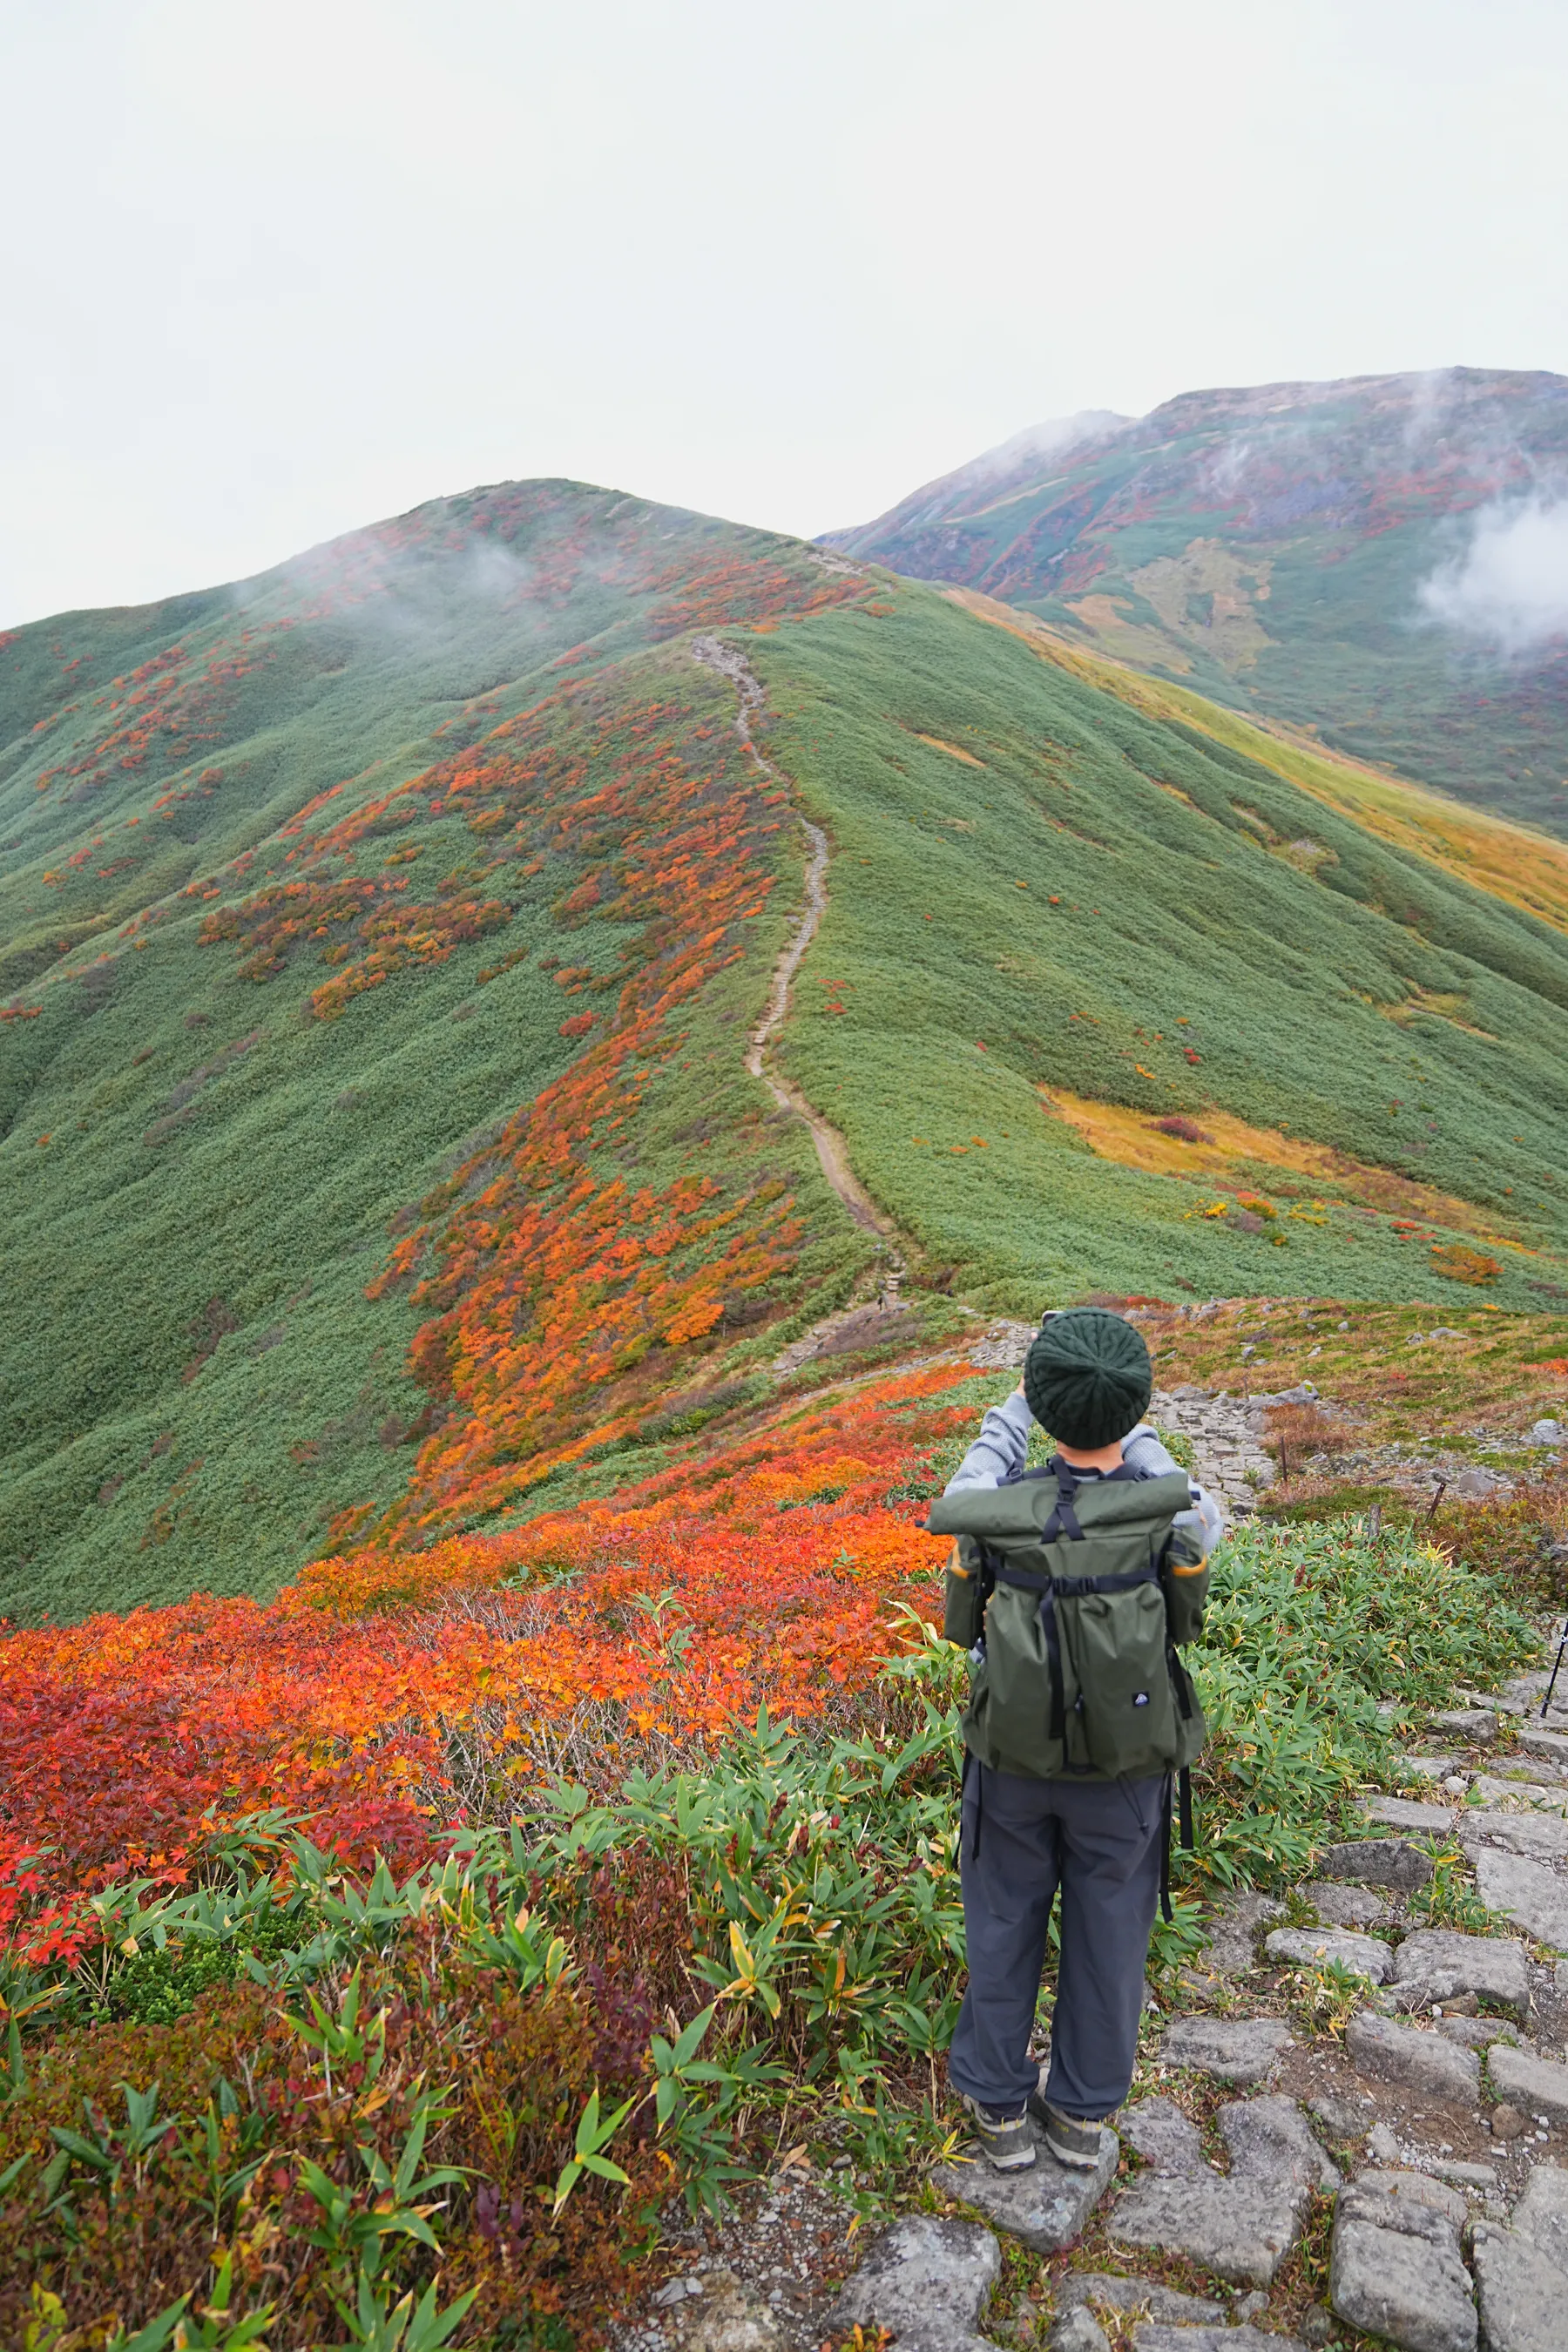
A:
[(1381, 561)]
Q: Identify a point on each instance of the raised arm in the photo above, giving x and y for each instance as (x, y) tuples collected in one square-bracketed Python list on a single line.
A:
[(998, 1452), (1142, 1452)]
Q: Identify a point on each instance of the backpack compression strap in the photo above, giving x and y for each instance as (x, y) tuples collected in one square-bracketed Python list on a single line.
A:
[(1063, 1520)]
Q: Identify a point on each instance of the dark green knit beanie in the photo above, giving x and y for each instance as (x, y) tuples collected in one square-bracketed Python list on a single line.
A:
[(1087, 1378)]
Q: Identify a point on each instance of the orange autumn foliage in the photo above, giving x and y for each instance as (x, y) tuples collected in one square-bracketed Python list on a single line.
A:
[(761, 1572)]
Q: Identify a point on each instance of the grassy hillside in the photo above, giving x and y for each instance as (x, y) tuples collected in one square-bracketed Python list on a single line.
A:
[(382, 939), (1039, 887), (1269, 547), (284, 950)]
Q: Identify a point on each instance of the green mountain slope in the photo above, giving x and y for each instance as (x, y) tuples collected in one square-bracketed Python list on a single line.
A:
[(383, 939), (1301, 552)]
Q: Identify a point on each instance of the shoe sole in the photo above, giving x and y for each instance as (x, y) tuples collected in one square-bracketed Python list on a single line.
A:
[(1074, 2163)]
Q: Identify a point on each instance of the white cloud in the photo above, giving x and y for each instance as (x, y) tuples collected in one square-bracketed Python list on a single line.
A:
[(1510, 584)]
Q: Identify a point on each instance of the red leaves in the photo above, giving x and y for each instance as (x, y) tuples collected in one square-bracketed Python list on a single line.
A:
[(126, 1742)]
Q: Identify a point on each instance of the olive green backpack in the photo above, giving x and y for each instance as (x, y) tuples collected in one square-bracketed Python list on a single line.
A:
[(1071, 1595)]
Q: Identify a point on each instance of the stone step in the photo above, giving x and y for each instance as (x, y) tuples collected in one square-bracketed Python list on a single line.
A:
[(1363, 1956), (1538, 2086), (1531, 1894), (1404, 1813), (1440, 1964), (1541, 1837), (1241, 2230), (1151, 2335), (927, 2281), (1550, 1797), (1387, 1862), (1145, 2296), (1244, 2050), (1428, 2062), (1395, 2268), (1477, 1725), (1344, 1904), (1045, 2208), (1523, 2295)]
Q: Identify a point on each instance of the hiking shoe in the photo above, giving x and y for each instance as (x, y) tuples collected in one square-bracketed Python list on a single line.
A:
[(1006, 2141), (1070, 2140)]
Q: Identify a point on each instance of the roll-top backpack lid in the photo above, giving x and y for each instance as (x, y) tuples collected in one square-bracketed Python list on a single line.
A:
[(1019, 1511)]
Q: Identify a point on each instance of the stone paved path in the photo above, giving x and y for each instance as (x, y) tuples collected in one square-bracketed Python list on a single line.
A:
[(1437, 2125), (1435, 2131)]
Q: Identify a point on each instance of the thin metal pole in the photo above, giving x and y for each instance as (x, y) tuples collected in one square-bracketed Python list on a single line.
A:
[(1556, 1670)]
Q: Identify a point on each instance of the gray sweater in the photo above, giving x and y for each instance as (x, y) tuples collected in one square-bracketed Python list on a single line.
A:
[(997, 1453)]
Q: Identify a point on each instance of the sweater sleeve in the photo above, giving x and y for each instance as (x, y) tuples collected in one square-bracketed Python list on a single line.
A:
[(998, 1452), (1143, 1452)]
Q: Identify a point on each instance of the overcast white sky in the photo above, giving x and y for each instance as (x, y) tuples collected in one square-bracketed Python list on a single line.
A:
[(271, 272)]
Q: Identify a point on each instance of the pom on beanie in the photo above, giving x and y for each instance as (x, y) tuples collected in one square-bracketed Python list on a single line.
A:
[(1087, 1378)]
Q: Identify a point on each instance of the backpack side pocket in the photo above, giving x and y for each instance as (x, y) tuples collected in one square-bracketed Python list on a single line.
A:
[(963, 1605)]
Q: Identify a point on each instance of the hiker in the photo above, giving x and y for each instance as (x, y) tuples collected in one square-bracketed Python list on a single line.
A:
[(1070, 1587)]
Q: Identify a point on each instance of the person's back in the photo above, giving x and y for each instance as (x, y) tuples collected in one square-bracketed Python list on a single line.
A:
[(1070, 1587)]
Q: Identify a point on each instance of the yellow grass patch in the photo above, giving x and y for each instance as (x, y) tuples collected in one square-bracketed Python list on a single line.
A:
[(1441, 1006), (1105, 617), (952, 750), (1508, 861), (1132, 1140)]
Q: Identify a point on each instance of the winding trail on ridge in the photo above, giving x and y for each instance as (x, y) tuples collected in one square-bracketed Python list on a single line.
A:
[(749, 701)]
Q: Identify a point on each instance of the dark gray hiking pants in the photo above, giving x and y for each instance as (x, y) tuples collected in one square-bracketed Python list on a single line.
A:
[(1101, 1842)]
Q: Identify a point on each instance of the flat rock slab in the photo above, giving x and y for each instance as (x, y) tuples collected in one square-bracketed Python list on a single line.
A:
[(1472, 1723), (1270, 2139), (1541, 1837), (1406, 1814), (1531, 1894), (927, 2281), (1547, 1798), (1114, 2293), (1543, 1742), (1047, 2207), (1150, 2335), (1428, 2062), (1378, 1861), (1406, 2289), (1240, 2230), (1537, 2084), (1234, 1931), (1344, 2118), (1078, 2331), (1541, 2214), (1164, 2138), (1306, 1948), (1406, 2189), (1244, 2050), (1523, 2295), (731, 2317), (1476, 2033), (1439, 1964), (1343, 1903)]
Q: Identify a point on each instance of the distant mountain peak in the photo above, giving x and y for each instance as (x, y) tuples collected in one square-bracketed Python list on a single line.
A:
[(1380, 559)]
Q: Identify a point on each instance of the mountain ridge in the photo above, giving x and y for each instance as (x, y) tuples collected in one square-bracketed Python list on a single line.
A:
[(384, 1155)]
